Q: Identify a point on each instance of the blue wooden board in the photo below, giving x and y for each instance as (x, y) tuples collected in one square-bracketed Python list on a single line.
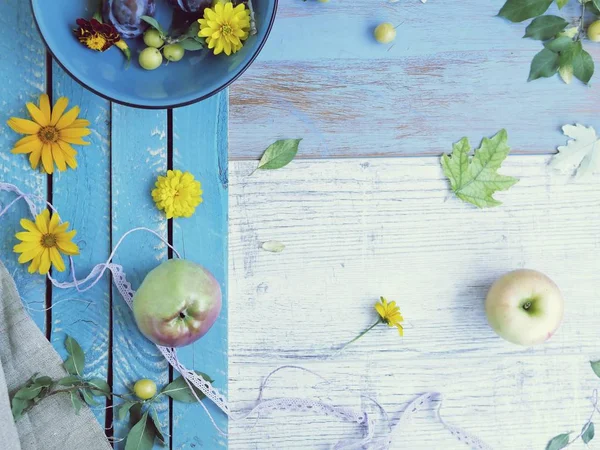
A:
[(107, 195)]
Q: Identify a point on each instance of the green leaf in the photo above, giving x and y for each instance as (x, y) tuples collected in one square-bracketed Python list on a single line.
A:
[(561, 3), (156, 425), (18, 406), (476, 180), (566, 73), (135, 413), (76, 361), (154, 24), (179, 390), (583, 65), (76, 402), (544, 65), (43, 381), (520, 10), (28, 392), (123, 409), (593, 7), (88, 397), (587, 432), (279, 154), (558, 442), (596, 367), (191, 45), (545, 27), (559, 44), (193, 29), (141, 436), (99, 386), (596, 4), (97, 16), (70, 380)]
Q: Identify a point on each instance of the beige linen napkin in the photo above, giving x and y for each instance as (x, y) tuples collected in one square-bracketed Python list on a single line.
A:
[(52, 424)]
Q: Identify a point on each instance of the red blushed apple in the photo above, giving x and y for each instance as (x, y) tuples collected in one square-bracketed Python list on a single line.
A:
[(177, 303), (524, 307)]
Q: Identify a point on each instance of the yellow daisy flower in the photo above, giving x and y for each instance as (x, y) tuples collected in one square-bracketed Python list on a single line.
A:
[(390, 314), (225, 27), (50, 134), (177, 194), (43, 242)]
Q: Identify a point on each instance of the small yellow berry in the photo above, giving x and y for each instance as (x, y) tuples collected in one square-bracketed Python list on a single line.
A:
[(144, 389), (385, 33), (593, 31)]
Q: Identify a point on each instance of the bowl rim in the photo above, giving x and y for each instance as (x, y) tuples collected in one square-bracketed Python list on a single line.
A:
[(166, 106)]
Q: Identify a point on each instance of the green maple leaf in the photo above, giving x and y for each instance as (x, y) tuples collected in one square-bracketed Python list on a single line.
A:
[(475, 180)]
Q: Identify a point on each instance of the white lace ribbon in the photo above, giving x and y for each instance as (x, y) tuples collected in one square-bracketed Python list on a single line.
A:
[(362, 419)]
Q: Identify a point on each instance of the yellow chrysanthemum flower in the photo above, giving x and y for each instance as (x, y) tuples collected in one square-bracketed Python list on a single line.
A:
[(390, 314), (51, 134), (225, 27), (43, 242), (177, 194)]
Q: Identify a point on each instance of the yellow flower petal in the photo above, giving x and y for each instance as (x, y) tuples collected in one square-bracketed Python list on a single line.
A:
[(58, 110), (23, 126), (54, 222), (45, 262), (41, 221), (29, 225), (56, 259), (29, 236), (35, 264), (45, 107), (67, 247), (37, 114), (27, 141), (47, 158), (34, 157), (59, 158), (67, 119), (24, 247), (80, 123), (67, 133), (29, 254)]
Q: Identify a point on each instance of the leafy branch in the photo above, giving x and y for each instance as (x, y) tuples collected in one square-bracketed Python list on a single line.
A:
[(563, 51), (142, 412)]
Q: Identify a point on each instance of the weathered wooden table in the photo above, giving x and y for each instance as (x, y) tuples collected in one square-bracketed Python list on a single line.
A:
[(359, 221)]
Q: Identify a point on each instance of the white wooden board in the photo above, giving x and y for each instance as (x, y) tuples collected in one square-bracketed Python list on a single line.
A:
[(360, 228)]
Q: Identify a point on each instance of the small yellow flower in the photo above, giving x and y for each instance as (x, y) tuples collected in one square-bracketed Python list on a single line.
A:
[(225, 27), (43, 242), (50, 134), (390, 314), (177, 194)]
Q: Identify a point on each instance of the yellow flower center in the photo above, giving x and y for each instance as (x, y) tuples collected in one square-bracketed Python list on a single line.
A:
[(96, 42), (48, 241), (48, 135), (226, 29)]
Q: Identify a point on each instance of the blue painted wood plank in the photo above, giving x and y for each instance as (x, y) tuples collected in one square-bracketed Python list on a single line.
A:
[(322, 77), (82, 197), (23, 73), (200, 146), (139, 155)]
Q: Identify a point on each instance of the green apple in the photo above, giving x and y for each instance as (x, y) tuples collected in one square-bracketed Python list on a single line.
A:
[(524, 307), (177, 303)]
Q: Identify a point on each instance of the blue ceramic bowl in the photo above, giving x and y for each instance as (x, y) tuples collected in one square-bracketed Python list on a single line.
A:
[(196, 77)]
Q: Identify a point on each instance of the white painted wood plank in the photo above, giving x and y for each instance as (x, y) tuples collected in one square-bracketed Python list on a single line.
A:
[(356, 229)]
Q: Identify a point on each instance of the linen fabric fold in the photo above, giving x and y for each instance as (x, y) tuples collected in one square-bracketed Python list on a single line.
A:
[(24, 351)]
